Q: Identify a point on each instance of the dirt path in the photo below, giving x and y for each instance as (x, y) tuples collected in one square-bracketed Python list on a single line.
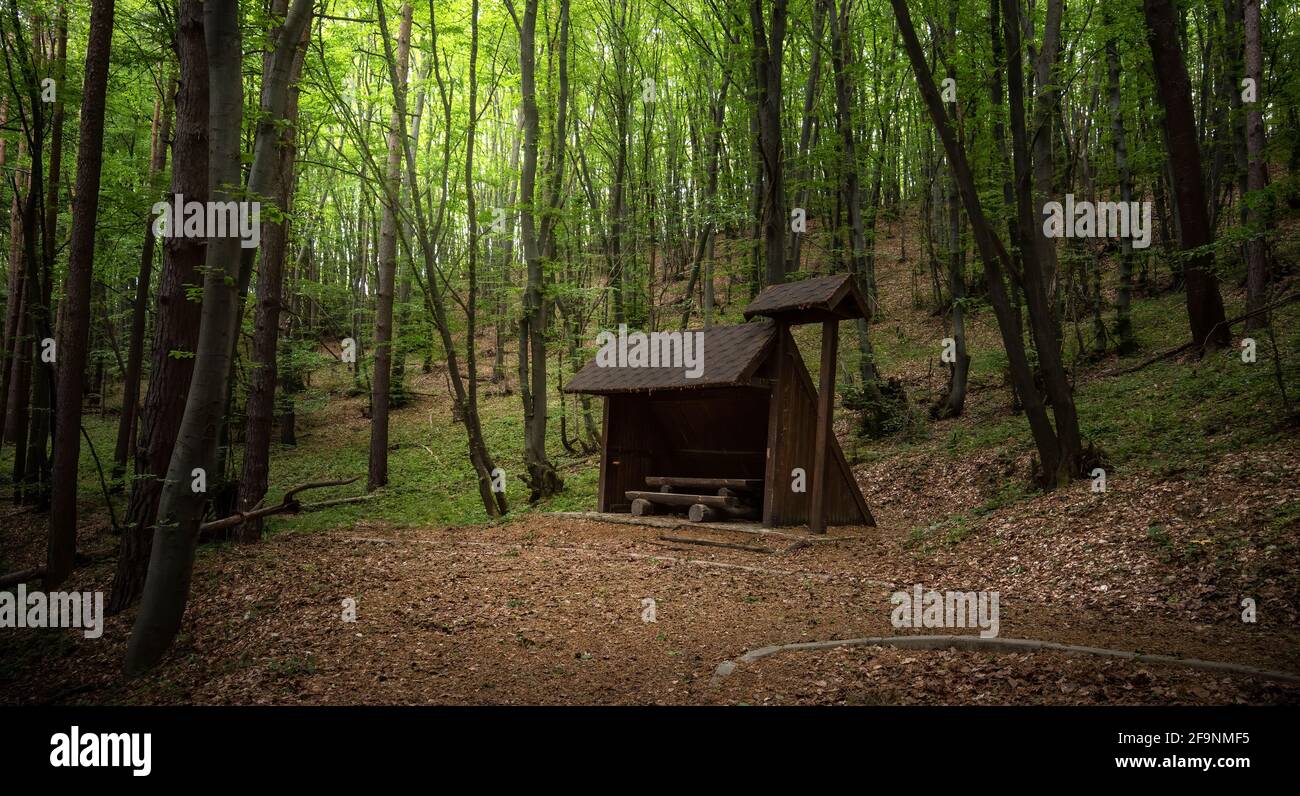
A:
[(550, 610)]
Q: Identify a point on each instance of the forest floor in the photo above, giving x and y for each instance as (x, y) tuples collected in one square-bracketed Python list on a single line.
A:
[(1201, 510)]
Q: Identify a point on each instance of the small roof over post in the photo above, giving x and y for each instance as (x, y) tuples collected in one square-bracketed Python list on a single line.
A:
[(815, 300), (826, 300)]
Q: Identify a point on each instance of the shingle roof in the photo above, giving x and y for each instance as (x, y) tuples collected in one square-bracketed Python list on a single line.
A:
[(729, 356), (818, 298)]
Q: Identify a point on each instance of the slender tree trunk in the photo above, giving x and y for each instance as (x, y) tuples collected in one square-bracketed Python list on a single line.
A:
[(1043, 321), (507, 250), (769, 46), (274, 97), (177, 325), (126, 426), (1125, 344), (1047, 96), (494, 503), (708, 228), (955, 401), (380, 383), (33, 487), (263, 374), (1257, 270), (1204, 304), (621, 100), (804, 173), (848, 172), (992, 252), (180, 508), (14, 312), (543, 481), (76, 317)]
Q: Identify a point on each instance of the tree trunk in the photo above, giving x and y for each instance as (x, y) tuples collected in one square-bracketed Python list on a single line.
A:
[(804, 173), (955, 401), (1043, 321), (1124, 341), (708, 228), (848, 173), (1257, 270), (276, 66), (543, 481), (1204, 304), (76, 317), (1046, 99), (382, 380), (494, 503), (126, 426), (180, 508), (177, 325), (769, 45), (992, 253), (13, 332), (263, 374), (32, 462)]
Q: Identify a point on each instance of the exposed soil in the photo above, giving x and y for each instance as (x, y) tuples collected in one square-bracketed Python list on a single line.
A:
[(550, 610)]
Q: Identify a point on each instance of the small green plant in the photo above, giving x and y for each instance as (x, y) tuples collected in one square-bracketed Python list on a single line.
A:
[(1159, 536)]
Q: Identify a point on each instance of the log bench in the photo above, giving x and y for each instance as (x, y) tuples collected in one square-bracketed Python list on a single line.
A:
[(731, 501), (702, 484)]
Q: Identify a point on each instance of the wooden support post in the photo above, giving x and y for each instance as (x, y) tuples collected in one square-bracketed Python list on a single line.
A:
[(702, 513), (825, 411), (773, 481)]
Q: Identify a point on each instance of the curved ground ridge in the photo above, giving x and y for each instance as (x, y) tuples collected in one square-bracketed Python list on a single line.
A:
[(976, 643)]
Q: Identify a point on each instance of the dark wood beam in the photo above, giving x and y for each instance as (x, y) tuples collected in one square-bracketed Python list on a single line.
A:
[(825, 412)]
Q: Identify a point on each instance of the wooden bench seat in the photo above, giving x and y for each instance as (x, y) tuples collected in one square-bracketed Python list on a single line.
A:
[(701, 484), (699, 508)]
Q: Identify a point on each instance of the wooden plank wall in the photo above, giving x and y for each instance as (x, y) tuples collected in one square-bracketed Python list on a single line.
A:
[(792, 430), (704, 433)]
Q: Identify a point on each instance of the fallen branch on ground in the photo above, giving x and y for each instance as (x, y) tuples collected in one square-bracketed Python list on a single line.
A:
[(288, 505)]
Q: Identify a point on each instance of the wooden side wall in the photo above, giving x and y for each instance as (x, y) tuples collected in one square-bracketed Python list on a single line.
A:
[(792, 435)]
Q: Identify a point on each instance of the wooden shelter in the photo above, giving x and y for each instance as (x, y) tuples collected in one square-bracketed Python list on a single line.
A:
[(730, 442)]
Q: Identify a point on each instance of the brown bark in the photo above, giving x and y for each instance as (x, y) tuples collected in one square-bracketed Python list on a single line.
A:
[(127, 425), (992, 252), (1204, 304), (263, 374), (1046, 99), (467, 409), (769, 46), (850, 189), (1257, 267), (72, 348), (543, 481), (382, 380), (177, 323), (180, 508), (13, 346), (1043, 321)]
